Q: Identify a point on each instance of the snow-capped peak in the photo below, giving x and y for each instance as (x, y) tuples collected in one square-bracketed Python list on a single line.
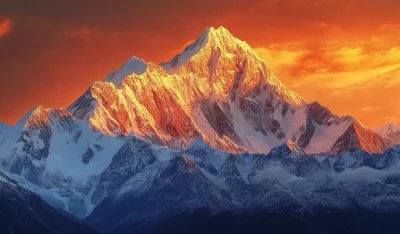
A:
[(218, 88), (213, 38), (132, 66), (180, 59), (34, 117), (198, 144), (388, 129), (41, 116), (222, 38)]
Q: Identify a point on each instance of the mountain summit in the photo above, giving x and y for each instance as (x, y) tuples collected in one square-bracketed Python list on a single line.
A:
[(219, 89)]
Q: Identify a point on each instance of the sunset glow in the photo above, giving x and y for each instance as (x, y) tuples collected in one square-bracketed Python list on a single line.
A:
[(343, 54)]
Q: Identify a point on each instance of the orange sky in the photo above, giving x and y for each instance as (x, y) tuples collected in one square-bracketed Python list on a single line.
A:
[(343, 53)]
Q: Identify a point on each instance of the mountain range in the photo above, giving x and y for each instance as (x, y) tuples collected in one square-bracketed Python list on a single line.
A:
[(213, 132)]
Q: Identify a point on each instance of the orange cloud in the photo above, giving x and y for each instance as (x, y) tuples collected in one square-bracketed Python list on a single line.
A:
[(370, 108), (5, 27), (389, 27), (280, 55), (360, 78), (357, 66)]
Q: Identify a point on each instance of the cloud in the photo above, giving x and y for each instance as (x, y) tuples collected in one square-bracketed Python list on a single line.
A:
[(354, 79), (370, 108), (365, 175), (388, 27), (391, 119), (350, 76), (361, 57), (346, 55), (280, 55), (347, 93), (5, 27), (335, 65)]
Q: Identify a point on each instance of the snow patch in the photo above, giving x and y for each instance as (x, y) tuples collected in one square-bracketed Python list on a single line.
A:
[(252, 139), (325, 137), (220, 182), (163, 153), (65, 157)]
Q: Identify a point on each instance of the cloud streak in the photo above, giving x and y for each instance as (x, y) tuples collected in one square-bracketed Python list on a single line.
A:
[(355, 77)]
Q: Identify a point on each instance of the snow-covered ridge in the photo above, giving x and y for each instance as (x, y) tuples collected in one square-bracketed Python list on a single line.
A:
[(390, 133), (388, 129), (132, 66), (180, 59), (286, 180), (139, 169)]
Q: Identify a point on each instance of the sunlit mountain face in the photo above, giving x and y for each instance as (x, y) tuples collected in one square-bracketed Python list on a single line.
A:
[(291, 131), (218, 89)]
